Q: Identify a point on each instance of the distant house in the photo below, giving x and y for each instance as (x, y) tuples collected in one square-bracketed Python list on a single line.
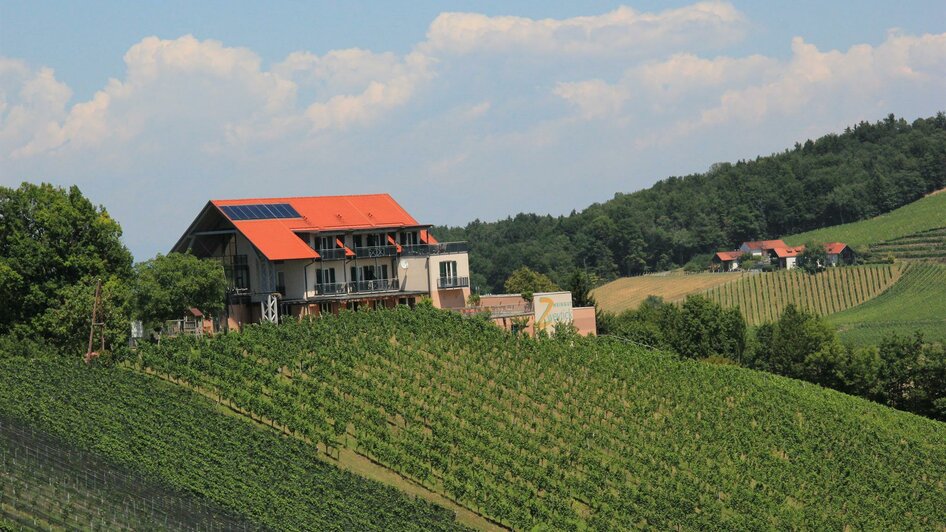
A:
[(786, 257), (760, 248), (839, 253), (727, 261)]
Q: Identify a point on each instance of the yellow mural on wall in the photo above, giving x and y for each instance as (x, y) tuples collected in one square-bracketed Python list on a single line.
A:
[(554, 308)]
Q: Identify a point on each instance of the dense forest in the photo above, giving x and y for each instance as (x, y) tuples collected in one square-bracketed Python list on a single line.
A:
[(869, 169)]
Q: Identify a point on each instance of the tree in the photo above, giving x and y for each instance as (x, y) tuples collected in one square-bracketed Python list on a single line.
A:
[(791, 345), (580, 284), (167, 285), (527, 281), (814, 258), (52, 239)]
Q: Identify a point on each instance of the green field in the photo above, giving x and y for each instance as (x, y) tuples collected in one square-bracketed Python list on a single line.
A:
[(585, 432), (916, 302), (921, 215), (185, 443), (763, 297)]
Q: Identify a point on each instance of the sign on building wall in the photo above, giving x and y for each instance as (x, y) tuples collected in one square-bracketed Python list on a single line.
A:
[(551, 308)]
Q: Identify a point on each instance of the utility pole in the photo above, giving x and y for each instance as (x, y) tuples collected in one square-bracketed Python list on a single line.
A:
[(96, 310)]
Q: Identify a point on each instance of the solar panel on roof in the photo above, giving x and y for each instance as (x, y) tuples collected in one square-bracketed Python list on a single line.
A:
[(262, 211)]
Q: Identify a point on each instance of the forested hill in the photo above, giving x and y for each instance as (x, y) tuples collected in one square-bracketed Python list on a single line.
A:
[(869, 169)]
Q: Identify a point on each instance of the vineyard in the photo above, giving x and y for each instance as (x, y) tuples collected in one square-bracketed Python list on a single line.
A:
[(916, 303), (921, 215), (629, 292), (181, 443), (584, 432), (45, 484), (763, 297), (925, 245)]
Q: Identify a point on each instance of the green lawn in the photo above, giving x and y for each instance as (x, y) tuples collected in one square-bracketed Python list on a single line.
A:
[(921, 215), (916, 302)]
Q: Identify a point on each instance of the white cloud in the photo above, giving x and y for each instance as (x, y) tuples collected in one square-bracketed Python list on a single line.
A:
[(595, 98), (32, 104), (818, 81), (543, 115), (619, 32), (209, 93)]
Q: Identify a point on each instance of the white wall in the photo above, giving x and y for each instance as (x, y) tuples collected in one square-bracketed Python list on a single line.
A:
[(551, 308)]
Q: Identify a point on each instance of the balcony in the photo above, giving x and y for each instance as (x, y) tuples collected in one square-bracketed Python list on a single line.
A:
[(375, 251), (377, 285), (332, 254), (453, 282), (331, 289), (358, 287), (435, 249)]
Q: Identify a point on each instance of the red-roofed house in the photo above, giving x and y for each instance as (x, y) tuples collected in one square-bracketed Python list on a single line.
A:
[(761, 247), (727, 260), (786, 256), (839, 253), (308, 255)]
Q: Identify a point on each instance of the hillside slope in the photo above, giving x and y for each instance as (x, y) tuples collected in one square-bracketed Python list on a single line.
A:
[(922, 215), (762, 297), (186, 443), (629, 292), (583, 432), (917, 302), (866, 170)]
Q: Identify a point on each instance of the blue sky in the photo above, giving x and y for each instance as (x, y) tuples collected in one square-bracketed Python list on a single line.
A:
[(461, 110)]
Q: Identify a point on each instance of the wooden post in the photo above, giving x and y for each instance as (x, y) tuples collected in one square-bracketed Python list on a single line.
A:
[(89, 355)]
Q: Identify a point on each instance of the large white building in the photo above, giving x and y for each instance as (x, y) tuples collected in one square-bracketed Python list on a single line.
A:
[(311, 255)]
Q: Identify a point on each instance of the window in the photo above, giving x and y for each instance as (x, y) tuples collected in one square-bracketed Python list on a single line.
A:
[(325, 276), (369, 273), (324, 242), (448, 269), (373, 240), (326, 308), (240, 273), (409, 238), (281, 283)]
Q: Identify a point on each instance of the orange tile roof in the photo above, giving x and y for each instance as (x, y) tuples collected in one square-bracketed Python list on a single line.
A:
[(764, 244), (327, 213), (834, 248), (728, 255), (788, 251), (277, 239)]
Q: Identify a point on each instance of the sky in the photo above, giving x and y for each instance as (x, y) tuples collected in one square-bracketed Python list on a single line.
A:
[(460, 110)]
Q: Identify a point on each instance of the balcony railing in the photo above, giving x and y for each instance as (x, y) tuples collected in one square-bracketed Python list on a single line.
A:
[(453, 282), (377, 285), (435, 249), (332, 254), (375, 251), (327, 289)]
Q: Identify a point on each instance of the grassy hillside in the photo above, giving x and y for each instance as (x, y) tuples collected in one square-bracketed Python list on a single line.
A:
[(921, 215), (186, 443), (916, 302), (629, 292), (763, 297), (583, 432)]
